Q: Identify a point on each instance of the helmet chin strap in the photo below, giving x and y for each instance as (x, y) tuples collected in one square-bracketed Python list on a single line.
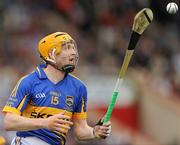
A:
[(68, 68)]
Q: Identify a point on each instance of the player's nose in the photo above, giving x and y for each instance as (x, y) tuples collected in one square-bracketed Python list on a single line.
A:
[(73, 51)]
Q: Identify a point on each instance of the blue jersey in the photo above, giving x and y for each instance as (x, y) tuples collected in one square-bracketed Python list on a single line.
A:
[(35, 96)]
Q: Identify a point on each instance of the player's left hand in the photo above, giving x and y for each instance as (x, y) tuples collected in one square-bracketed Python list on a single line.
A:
[(101, 131)]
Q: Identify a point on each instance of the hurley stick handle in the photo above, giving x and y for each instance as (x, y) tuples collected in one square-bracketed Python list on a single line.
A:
[(110, 107)]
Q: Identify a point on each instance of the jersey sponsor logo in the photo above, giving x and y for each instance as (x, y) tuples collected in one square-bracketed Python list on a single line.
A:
[(40, 115), (40, 95), (70, 101)]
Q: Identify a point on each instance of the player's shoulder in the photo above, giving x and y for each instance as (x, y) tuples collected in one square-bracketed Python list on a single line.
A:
[(76, 80), (28, 78)]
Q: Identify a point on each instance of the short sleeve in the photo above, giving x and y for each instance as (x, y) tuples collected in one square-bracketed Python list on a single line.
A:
[(19, 97), (80, 111)]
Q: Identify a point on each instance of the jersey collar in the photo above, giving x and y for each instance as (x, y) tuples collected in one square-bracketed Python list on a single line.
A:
[(40, 72)]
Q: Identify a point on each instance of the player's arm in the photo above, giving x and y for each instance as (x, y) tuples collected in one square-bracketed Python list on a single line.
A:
[(16, 122), (81, 129), (15, 105), (84, 132)]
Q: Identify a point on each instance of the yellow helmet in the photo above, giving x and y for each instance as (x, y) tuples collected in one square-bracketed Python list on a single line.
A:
[(52, 41)]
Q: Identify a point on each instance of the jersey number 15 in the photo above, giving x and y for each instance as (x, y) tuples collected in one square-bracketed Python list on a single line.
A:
[(55, 100)]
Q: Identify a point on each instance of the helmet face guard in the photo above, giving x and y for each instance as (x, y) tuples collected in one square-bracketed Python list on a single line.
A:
[(73, 58), (59, 43)]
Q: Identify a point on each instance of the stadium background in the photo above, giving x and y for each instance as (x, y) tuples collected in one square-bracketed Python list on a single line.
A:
[(148, 110)]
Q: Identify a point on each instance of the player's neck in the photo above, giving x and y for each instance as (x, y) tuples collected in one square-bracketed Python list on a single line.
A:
[(53, 74)]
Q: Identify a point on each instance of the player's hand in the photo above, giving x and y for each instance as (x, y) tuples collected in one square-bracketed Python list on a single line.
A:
[(101, 131), (59, 122)]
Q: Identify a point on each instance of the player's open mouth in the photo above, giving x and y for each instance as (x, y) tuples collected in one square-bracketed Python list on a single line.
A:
[(71, 59)]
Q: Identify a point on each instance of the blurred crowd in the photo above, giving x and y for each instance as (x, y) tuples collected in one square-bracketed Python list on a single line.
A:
[(101, 28)]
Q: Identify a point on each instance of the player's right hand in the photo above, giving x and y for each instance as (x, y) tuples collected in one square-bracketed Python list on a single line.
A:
[(59, 122), (101, 131)]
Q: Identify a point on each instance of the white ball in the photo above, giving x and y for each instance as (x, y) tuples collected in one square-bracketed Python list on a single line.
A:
[(172, 8)]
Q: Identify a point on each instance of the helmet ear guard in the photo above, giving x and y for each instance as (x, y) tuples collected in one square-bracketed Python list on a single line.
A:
[(53, 53), (47, 59)]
